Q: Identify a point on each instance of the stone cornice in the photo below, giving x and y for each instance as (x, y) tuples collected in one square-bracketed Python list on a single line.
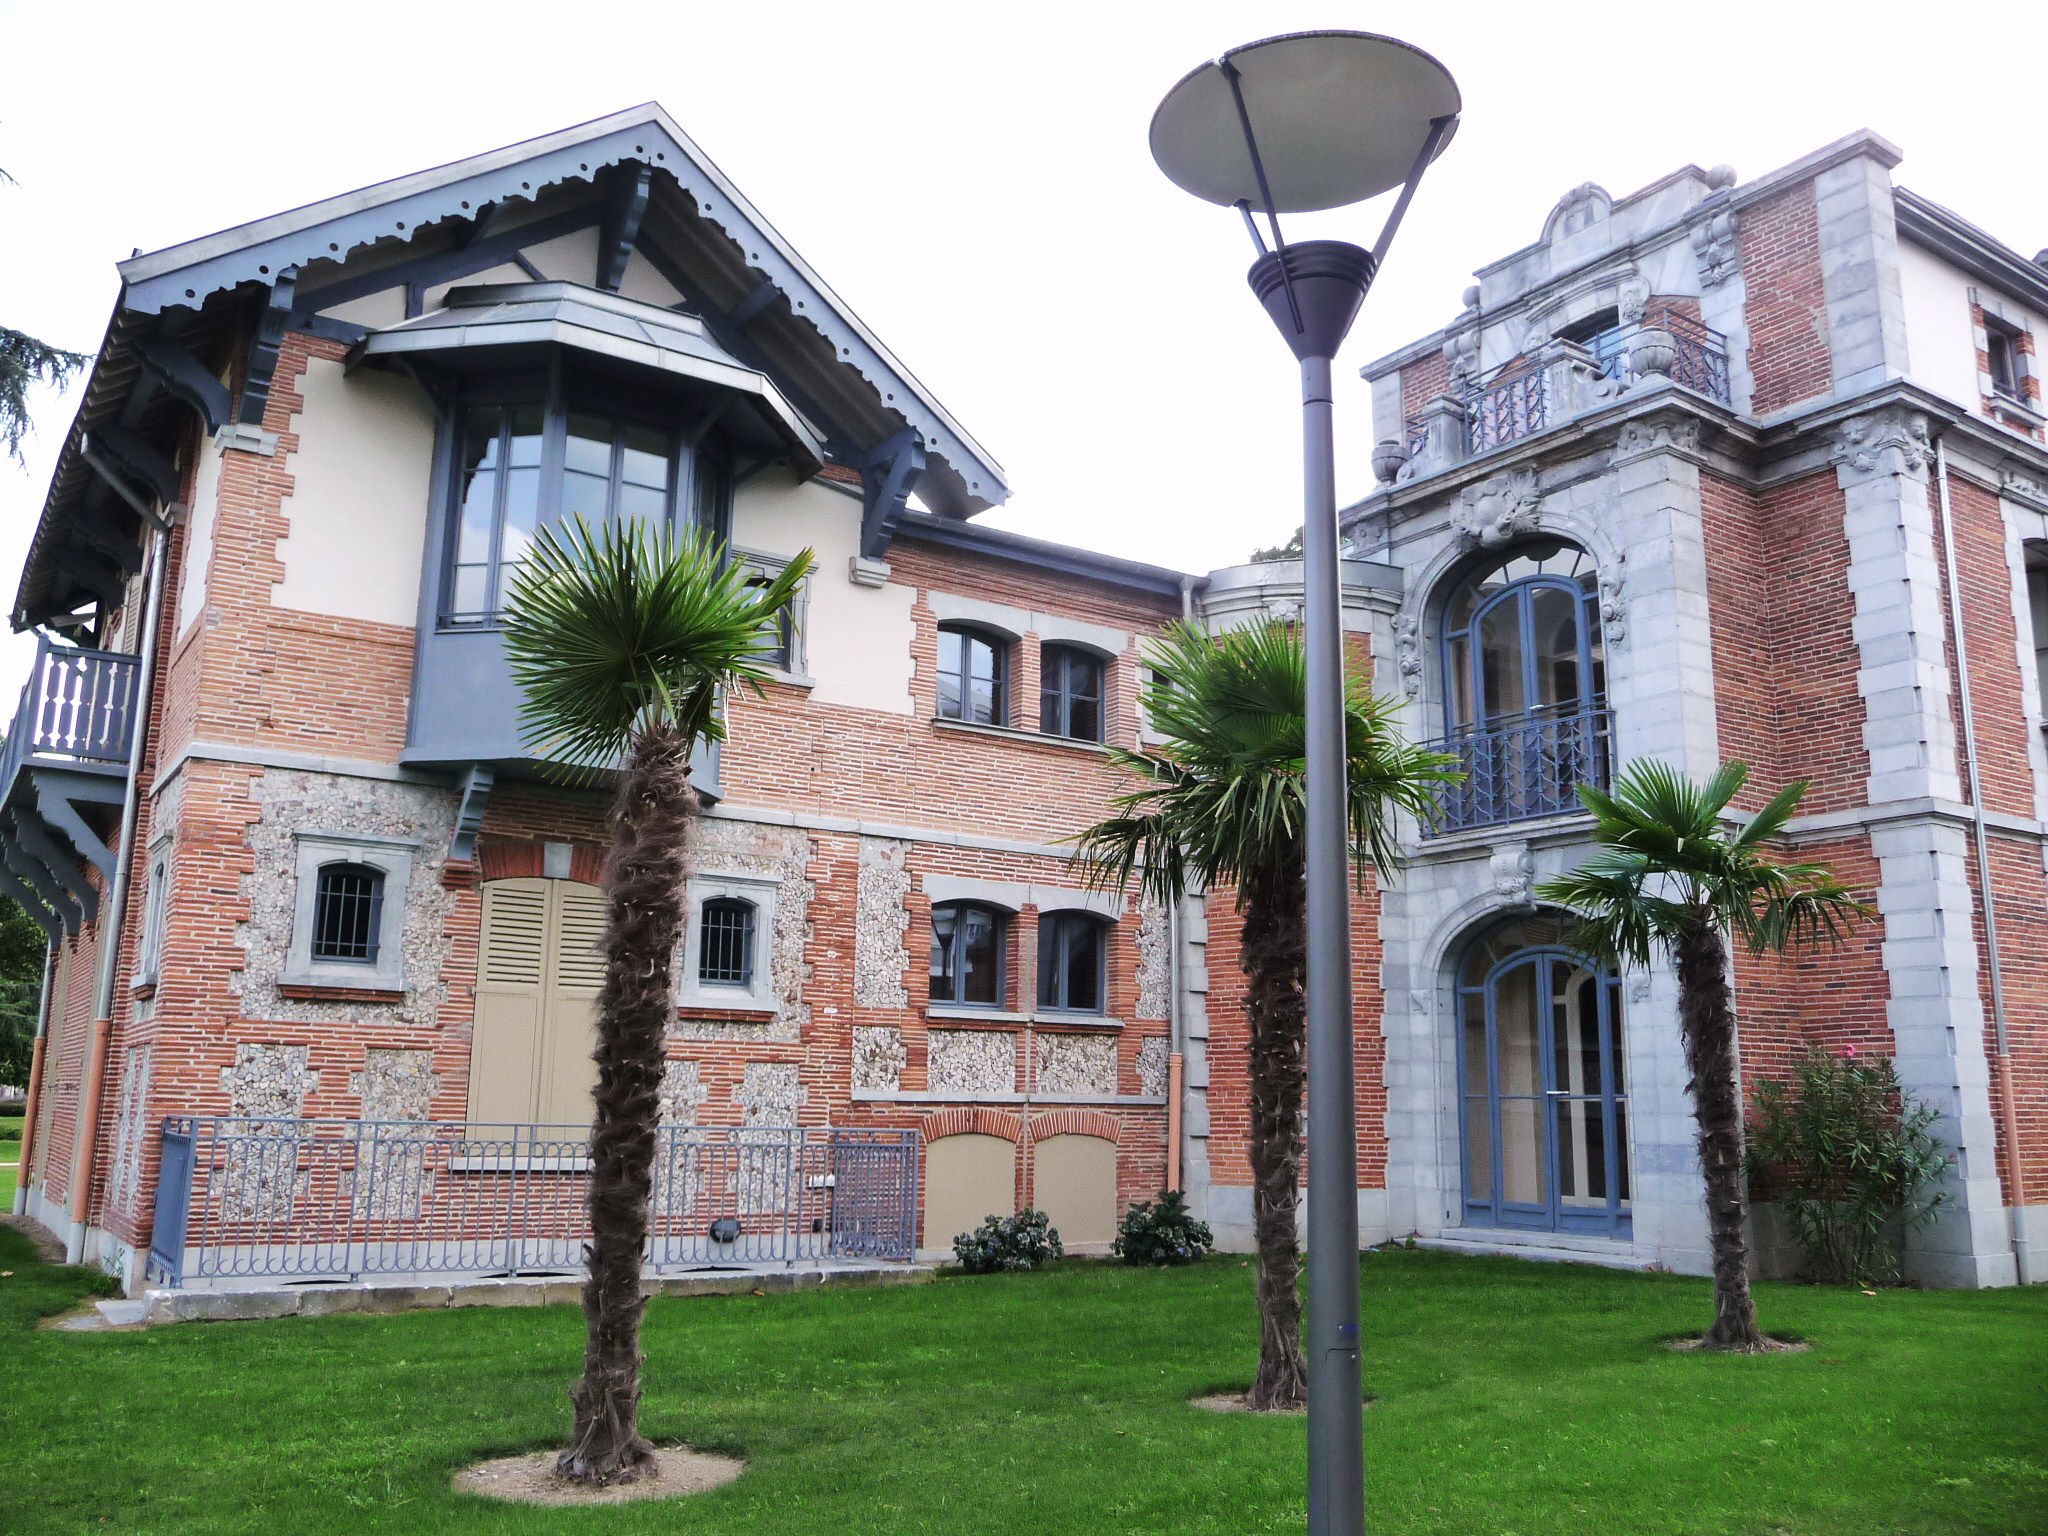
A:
[(1793, 447)]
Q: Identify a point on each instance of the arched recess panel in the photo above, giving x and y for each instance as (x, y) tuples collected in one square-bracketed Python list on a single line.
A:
[(967, 1178), (1074, 1183)]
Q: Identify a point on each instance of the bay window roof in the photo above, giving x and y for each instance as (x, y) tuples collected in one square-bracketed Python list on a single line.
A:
[(499, 325)]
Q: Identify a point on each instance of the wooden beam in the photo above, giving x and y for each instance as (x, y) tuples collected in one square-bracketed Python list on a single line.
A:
[(178, 371), (620, 232)]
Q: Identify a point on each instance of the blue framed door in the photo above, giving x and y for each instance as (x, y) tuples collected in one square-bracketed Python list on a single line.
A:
[(1544, 1095)]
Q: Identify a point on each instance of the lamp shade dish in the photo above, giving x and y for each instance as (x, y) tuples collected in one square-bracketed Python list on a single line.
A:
[(1338, 117)]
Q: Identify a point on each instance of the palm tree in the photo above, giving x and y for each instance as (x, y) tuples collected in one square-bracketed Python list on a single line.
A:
[(623, 640), (1223, 802), (1672, 875)]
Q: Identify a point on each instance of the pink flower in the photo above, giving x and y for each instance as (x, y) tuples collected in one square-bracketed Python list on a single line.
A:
[(1848, 1053)]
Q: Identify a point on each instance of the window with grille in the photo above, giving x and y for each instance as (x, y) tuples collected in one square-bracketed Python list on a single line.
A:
[(1070, 693), (1071, 957), (725, 943), (348, 912), (971, 676), (967, 955)]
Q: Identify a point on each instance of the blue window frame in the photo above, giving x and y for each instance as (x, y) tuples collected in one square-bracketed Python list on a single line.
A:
[(1073, 955), (1543, 1089), (534, 449), (1525, 685), (968, 964)]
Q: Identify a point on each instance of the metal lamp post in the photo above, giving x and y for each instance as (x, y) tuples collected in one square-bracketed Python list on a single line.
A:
[(1293, 124)]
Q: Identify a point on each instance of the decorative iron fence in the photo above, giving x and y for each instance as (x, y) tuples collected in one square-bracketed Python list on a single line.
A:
[(1512, 406), (77, 705), (1700, 360), (313, 1200), (1531, 765)]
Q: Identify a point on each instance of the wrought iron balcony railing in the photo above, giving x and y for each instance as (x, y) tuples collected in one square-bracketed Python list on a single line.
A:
[(1699, 361), (1526, 766), (304, 1200), (78, 707)]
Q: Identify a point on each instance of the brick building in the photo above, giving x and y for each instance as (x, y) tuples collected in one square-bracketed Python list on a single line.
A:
[(1676, 448)]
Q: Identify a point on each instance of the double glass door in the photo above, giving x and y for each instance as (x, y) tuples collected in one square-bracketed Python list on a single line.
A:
[(1544, 1093)]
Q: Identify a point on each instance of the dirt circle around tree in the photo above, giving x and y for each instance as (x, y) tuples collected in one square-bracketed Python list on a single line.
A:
[(532, 1479), (1695, 1344), (1239, 1402)]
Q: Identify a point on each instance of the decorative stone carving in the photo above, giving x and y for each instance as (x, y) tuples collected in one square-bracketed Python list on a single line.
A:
[(1408, 652), (266, 1087), (1578, 211), (291, 801), (1514, 875), (1461, 353), (1497, 510), (2018, 484), (881, 919), (131, 1128), (682, 1092), (1388, 455), (1891, 441), (1652, 352), (1715, 248), (784, 854), (1077, 1066), (1639, 986), (1152, 1067), (395, 1085), (1632, 299), (970, 1063), (1155, 960), (1613, 602), (879, 1058), (1424, 1001), (1652, 434)]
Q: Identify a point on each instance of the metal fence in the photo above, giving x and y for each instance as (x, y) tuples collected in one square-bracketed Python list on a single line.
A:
[(1531, 765), (339, 1199)]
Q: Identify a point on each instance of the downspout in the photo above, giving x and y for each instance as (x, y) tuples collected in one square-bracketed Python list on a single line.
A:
[(1176, 1023), (109, 955), (35, 1084), (2008, 1114)]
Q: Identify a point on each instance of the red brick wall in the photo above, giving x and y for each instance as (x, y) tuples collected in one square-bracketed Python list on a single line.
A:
[(2022, 898), (1786, 305), (1991, 629), (1422, 381)]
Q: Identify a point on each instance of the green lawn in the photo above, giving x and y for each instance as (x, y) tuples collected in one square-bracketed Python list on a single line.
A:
[(1513, 1398)]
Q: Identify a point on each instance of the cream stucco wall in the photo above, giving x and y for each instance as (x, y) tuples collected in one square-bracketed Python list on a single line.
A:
[(570, 258), (358, 507), (1940, 342), (856, 639), (198, 561)]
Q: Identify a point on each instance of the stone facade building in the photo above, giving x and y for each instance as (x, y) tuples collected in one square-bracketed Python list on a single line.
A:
[(1702, 450)]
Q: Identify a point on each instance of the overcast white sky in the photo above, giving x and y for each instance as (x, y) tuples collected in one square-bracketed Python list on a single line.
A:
[(973, 180)]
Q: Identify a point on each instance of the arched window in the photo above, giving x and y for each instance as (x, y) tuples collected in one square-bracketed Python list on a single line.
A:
[(1070, 693), (348, 913), (725, 942), (972, 672), (1525, 685), (1072, 954), (1543, 1083), (967, 954)]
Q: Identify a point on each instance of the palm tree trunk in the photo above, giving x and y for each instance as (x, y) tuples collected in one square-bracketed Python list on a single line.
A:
[(1706, 1016), (1275, 956), (651, 820)]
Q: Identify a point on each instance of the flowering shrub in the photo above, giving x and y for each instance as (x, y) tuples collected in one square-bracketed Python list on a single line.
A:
[(1023, 1241), (1851, 1161), (1162, 1233)]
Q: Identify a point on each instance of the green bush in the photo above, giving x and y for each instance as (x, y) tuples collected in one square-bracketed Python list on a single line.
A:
[(1023, 1241), (1162, 1233), (1852, 1161)]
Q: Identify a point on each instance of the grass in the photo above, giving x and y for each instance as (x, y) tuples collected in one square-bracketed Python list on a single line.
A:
[(10, 1155), (1513, 1399)]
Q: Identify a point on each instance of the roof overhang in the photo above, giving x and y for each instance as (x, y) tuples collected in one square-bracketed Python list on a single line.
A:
[(490, 325), (1949, 234)]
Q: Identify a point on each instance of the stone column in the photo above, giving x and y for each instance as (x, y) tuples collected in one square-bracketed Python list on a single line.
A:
[(1925, 893)]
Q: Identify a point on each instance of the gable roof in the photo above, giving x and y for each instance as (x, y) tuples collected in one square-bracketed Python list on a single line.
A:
[(802, 324)]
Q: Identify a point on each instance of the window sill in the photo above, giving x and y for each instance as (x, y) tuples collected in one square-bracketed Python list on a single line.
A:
[(748, 1011), (784, 679), (321, 989), (957, 1012), (144, 988), (1048, 1019), (1013, 733), (953, 1013), (2014, 409)]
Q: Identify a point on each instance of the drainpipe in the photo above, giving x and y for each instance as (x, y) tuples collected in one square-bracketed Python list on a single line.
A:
[(94, 1083), (2008, 1114), (35, 1086)]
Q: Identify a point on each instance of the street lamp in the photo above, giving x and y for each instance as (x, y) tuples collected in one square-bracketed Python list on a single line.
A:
[(1293, 124)]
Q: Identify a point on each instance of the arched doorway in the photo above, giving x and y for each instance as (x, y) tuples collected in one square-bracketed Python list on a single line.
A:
[(1543, 1084), (967, 1178), (1525, 685), (1074, 1183)]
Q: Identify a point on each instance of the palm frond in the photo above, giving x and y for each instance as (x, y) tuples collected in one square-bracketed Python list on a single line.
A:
[(614, 629)]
